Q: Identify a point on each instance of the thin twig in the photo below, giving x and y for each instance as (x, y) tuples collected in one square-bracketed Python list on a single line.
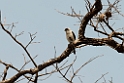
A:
[(74, 74), (5, 72), (101, 77), (18, 43)]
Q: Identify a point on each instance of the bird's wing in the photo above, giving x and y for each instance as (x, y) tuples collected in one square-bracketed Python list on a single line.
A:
[(74, 35)]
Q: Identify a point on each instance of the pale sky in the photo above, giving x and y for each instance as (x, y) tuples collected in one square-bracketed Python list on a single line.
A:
[(40, 16)]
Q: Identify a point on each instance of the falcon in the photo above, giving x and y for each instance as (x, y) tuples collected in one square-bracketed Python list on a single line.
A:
[(70, 36)]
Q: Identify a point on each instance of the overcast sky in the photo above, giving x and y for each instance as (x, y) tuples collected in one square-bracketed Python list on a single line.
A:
[(40, 16)]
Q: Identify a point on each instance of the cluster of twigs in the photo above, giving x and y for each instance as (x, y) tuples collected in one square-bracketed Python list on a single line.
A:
[(100, 19)]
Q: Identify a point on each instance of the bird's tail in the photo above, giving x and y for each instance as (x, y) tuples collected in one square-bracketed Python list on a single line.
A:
[(74, 51)]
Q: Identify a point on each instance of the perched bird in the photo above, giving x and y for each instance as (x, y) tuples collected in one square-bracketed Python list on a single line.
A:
[(70, 36)]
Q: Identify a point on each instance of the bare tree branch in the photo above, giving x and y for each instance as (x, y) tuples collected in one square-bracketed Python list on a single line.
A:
[(87, 17), (5, 72), (18, 43), (81, 41), (101, 77), (75, 73)]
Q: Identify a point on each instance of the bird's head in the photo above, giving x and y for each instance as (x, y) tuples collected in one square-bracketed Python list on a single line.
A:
[(67, 29)]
